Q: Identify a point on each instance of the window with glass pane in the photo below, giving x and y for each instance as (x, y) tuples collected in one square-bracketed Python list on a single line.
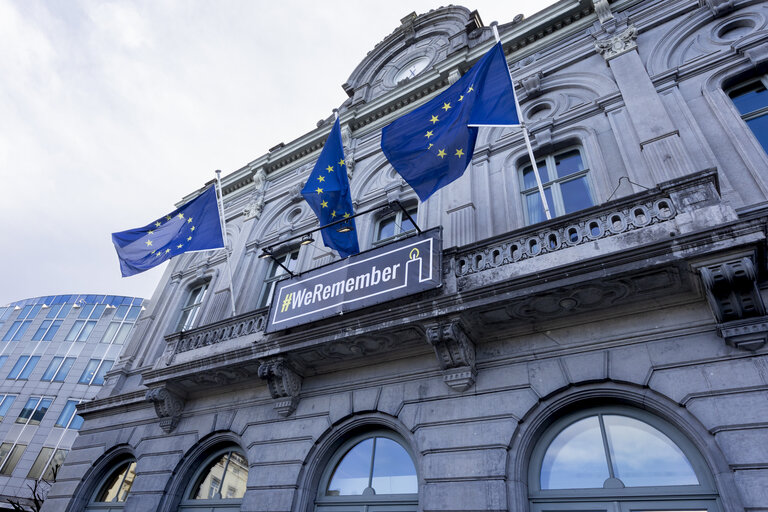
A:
[(377, 465), (34, 410), (276, 273), (94, 372), (118, 484), (48, 462), (23, 367), (58, 369), (89, 372), (751, 100), (3, 359), (75, 330), (68, 418), (565, 180), (616, 454), (104, 367), (395, 224), (6, 401), (191, 307), (224, 477), (9, 456)]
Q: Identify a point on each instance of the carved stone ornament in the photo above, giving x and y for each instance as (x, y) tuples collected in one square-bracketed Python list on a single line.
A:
[(603, 10), (619, 44), (733, 294), (168, 407), (532, 84), (284, 384), (718, 7), (256, 202), (455, 352)]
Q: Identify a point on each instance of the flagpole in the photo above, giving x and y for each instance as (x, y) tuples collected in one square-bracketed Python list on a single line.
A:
[(223, 223), (527, 138)]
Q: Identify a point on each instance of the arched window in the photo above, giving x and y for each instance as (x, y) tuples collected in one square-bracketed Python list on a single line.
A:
[(113, 490), (372, 472), (219, 484), (617, 460)]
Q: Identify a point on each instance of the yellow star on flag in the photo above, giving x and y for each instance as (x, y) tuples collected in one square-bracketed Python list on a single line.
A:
[(434, 119), (430, 146), (441, 153), (149, 242), (319, 190), (324, 204), (346, 215), (189, 219), (429, 134), (150, 232), (192, 228), (342, 162), (179, 246), (157, 224), (461, 98), (333, 214), (470, 89), (321, 179), (446, 106), (189, 238), (167, 217), (167, 251), (459, 152), (181, 215), (329, 168)]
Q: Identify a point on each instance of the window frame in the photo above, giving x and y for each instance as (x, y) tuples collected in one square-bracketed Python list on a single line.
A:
[(116, 467), (557, 208), (754, 114), (405, 502), (396, 214), (190, 311), (96, 372), (679, 496), (267, 291), (16, 451), (188, 503), (25, 370)]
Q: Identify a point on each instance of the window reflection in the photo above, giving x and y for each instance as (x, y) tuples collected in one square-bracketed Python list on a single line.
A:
[(377, 465), (225, 478), (576, 458), (117, 486)]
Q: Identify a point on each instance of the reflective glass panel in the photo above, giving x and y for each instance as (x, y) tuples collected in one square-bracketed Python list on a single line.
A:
[(52, 330), (353, 471), (568, 163), (643, 456), (386, 228), (225, 478), (40, 411), (66, 414), (74, 330), (41, 330), (109, 334), (529, 177), (759, 127), (90, 369), (31, 363), (120, 312), (22, 329), (116, 487), (576, 458), (536, 209), (393, 469), (575, 194), (16, 370), (5, 404), (407, 225), (749, 98), (41, 461), (133, 314), (122, 334), (87, 328), (61, 375), (98, 379), (52, 368), (13, 459)]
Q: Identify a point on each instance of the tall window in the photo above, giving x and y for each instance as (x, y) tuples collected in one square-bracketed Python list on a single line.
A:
[(219, 484), (114, 489), (751, 100), (23, 367), (50, 326), (6, 401), (10, 453), (22, 323), (565, 181), (276, 273), (616, 460), (47, 464), (94, 372), (58, 369), (395, 224), (86, 321), (68, 417), (370, 472), (191, 307), (121, 324), (34, 410)]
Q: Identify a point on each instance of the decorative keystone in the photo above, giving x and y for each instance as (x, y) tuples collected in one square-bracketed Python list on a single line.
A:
[(168, 407), (284, 384), (619, 44), (455, 352)]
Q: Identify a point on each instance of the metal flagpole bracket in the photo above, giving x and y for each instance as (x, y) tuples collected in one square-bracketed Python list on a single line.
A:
[(407, 215), (267, 253)]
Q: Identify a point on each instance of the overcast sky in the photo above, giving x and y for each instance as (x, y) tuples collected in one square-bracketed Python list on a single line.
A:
[(112, 111)]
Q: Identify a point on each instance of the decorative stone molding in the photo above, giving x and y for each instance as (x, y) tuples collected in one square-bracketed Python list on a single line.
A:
[(732, 292), (453, 76), (168, 407), (612, 47), (603, 10), (455, 352), (717, 7), (284, 384), (256, 202), (532, 85)]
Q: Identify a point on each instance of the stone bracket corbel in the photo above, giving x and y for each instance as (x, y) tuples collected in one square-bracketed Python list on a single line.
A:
[(455, 353), (731, 289), (284, 383), (617, 45), (168, 406)]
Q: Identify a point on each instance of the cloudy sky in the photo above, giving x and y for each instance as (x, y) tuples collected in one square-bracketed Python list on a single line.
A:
[(111, 111)]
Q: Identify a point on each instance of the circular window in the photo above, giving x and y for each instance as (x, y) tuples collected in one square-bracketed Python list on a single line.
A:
[(736, 29)]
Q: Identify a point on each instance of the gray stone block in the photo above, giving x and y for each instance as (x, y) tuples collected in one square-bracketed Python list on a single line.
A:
[(586, 367), (546, 377), (472, 464), (465, 435), (365, 400), (488, 495), (731, 410), (630, 364)]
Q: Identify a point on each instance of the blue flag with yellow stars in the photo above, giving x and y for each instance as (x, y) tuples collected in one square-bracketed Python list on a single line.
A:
[(327, 192), (432, 146), (195, 226)]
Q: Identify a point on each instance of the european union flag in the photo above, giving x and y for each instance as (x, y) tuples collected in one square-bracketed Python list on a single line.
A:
[(432, 146), (194, 226), (327, 192)]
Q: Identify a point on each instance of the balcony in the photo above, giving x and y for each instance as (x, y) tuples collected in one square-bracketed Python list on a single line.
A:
[(642, 248)]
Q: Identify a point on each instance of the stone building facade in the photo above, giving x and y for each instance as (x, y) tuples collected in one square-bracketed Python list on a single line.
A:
[(613, 358)]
